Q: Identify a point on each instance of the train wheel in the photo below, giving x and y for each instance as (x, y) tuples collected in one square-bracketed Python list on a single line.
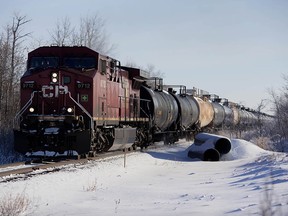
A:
[(109, 144), (134, 147), (168, 139), (141, 139), (102, 143), (92, 154), (83, 156)]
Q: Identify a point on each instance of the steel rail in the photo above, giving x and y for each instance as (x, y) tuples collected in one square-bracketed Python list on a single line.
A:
[(8, 175)]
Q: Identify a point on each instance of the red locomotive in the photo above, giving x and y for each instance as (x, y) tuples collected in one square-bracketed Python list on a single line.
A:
[(73, 98)]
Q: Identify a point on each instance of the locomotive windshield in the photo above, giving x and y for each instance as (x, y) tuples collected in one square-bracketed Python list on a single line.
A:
[(44, 62), (85, 63)]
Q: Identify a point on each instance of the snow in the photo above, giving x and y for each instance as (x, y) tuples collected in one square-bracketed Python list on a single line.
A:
[(162, 182), (52, 130)]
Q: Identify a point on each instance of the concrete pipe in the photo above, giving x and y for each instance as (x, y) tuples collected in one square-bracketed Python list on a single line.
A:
[(208, 155), (220, 143), (204, 152)]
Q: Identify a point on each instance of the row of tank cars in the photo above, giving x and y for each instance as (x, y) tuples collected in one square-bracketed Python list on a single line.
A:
[(74, 99)]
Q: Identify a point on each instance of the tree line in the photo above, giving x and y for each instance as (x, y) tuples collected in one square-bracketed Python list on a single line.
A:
[(12, 61)]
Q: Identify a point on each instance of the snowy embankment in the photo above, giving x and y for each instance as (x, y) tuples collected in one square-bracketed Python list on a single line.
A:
[(163, 182)]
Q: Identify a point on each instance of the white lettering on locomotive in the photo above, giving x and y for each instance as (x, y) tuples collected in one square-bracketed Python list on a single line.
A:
[(53, 91)]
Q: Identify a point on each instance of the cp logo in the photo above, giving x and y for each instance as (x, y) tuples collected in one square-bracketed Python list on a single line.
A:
[(53, 91)]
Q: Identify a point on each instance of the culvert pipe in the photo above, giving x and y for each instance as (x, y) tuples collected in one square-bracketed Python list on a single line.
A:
[(207, 155), (220, 143)]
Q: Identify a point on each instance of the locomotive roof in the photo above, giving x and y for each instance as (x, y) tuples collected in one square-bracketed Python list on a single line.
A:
[(63, 51), (136, 72)]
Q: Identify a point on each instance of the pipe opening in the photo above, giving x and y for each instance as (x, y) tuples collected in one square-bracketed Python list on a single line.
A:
[(223, 145), (211, 155)]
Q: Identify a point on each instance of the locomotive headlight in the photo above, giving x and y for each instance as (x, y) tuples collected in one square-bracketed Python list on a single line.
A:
[(54, 77), (31, 109), (69, 110)]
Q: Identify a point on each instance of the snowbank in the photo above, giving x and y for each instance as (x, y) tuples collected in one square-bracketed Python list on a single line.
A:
[(243, 149), (162, 182)]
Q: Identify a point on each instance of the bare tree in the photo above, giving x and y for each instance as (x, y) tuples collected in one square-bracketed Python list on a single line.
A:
[(11, 64), (261, 129), (61, 34), (91, 33), (15, 55), (280, 105), (154, 72)]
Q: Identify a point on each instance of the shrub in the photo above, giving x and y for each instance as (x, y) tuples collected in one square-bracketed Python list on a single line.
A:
[(14, 205)]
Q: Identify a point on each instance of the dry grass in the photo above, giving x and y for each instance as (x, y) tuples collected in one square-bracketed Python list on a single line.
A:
[(14, 205), (91, 186), (262, 142)]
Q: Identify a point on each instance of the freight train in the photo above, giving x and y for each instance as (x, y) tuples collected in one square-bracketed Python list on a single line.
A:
[(74, 99)]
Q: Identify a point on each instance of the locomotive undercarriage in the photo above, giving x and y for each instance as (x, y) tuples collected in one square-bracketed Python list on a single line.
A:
[(143, 136), (103, 140), (52, 134), (57, 134)]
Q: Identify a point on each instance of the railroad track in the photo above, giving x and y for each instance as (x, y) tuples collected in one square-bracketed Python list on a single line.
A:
[(22, 170)]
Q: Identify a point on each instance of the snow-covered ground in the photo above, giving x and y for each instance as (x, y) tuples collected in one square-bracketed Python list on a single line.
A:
[(162, 182)]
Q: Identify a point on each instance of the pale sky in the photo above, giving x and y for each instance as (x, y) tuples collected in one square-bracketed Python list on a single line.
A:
[(236, 49)]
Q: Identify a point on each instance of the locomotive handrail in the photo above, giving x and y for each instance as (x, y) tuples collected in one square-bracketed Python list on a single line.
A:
[(145, 112), (83, 109), (24, 108), (147, 104)]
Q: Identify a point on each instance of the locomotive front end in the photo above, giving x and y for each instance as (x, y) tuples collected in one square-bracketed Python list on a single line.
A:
[(53, 116)]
